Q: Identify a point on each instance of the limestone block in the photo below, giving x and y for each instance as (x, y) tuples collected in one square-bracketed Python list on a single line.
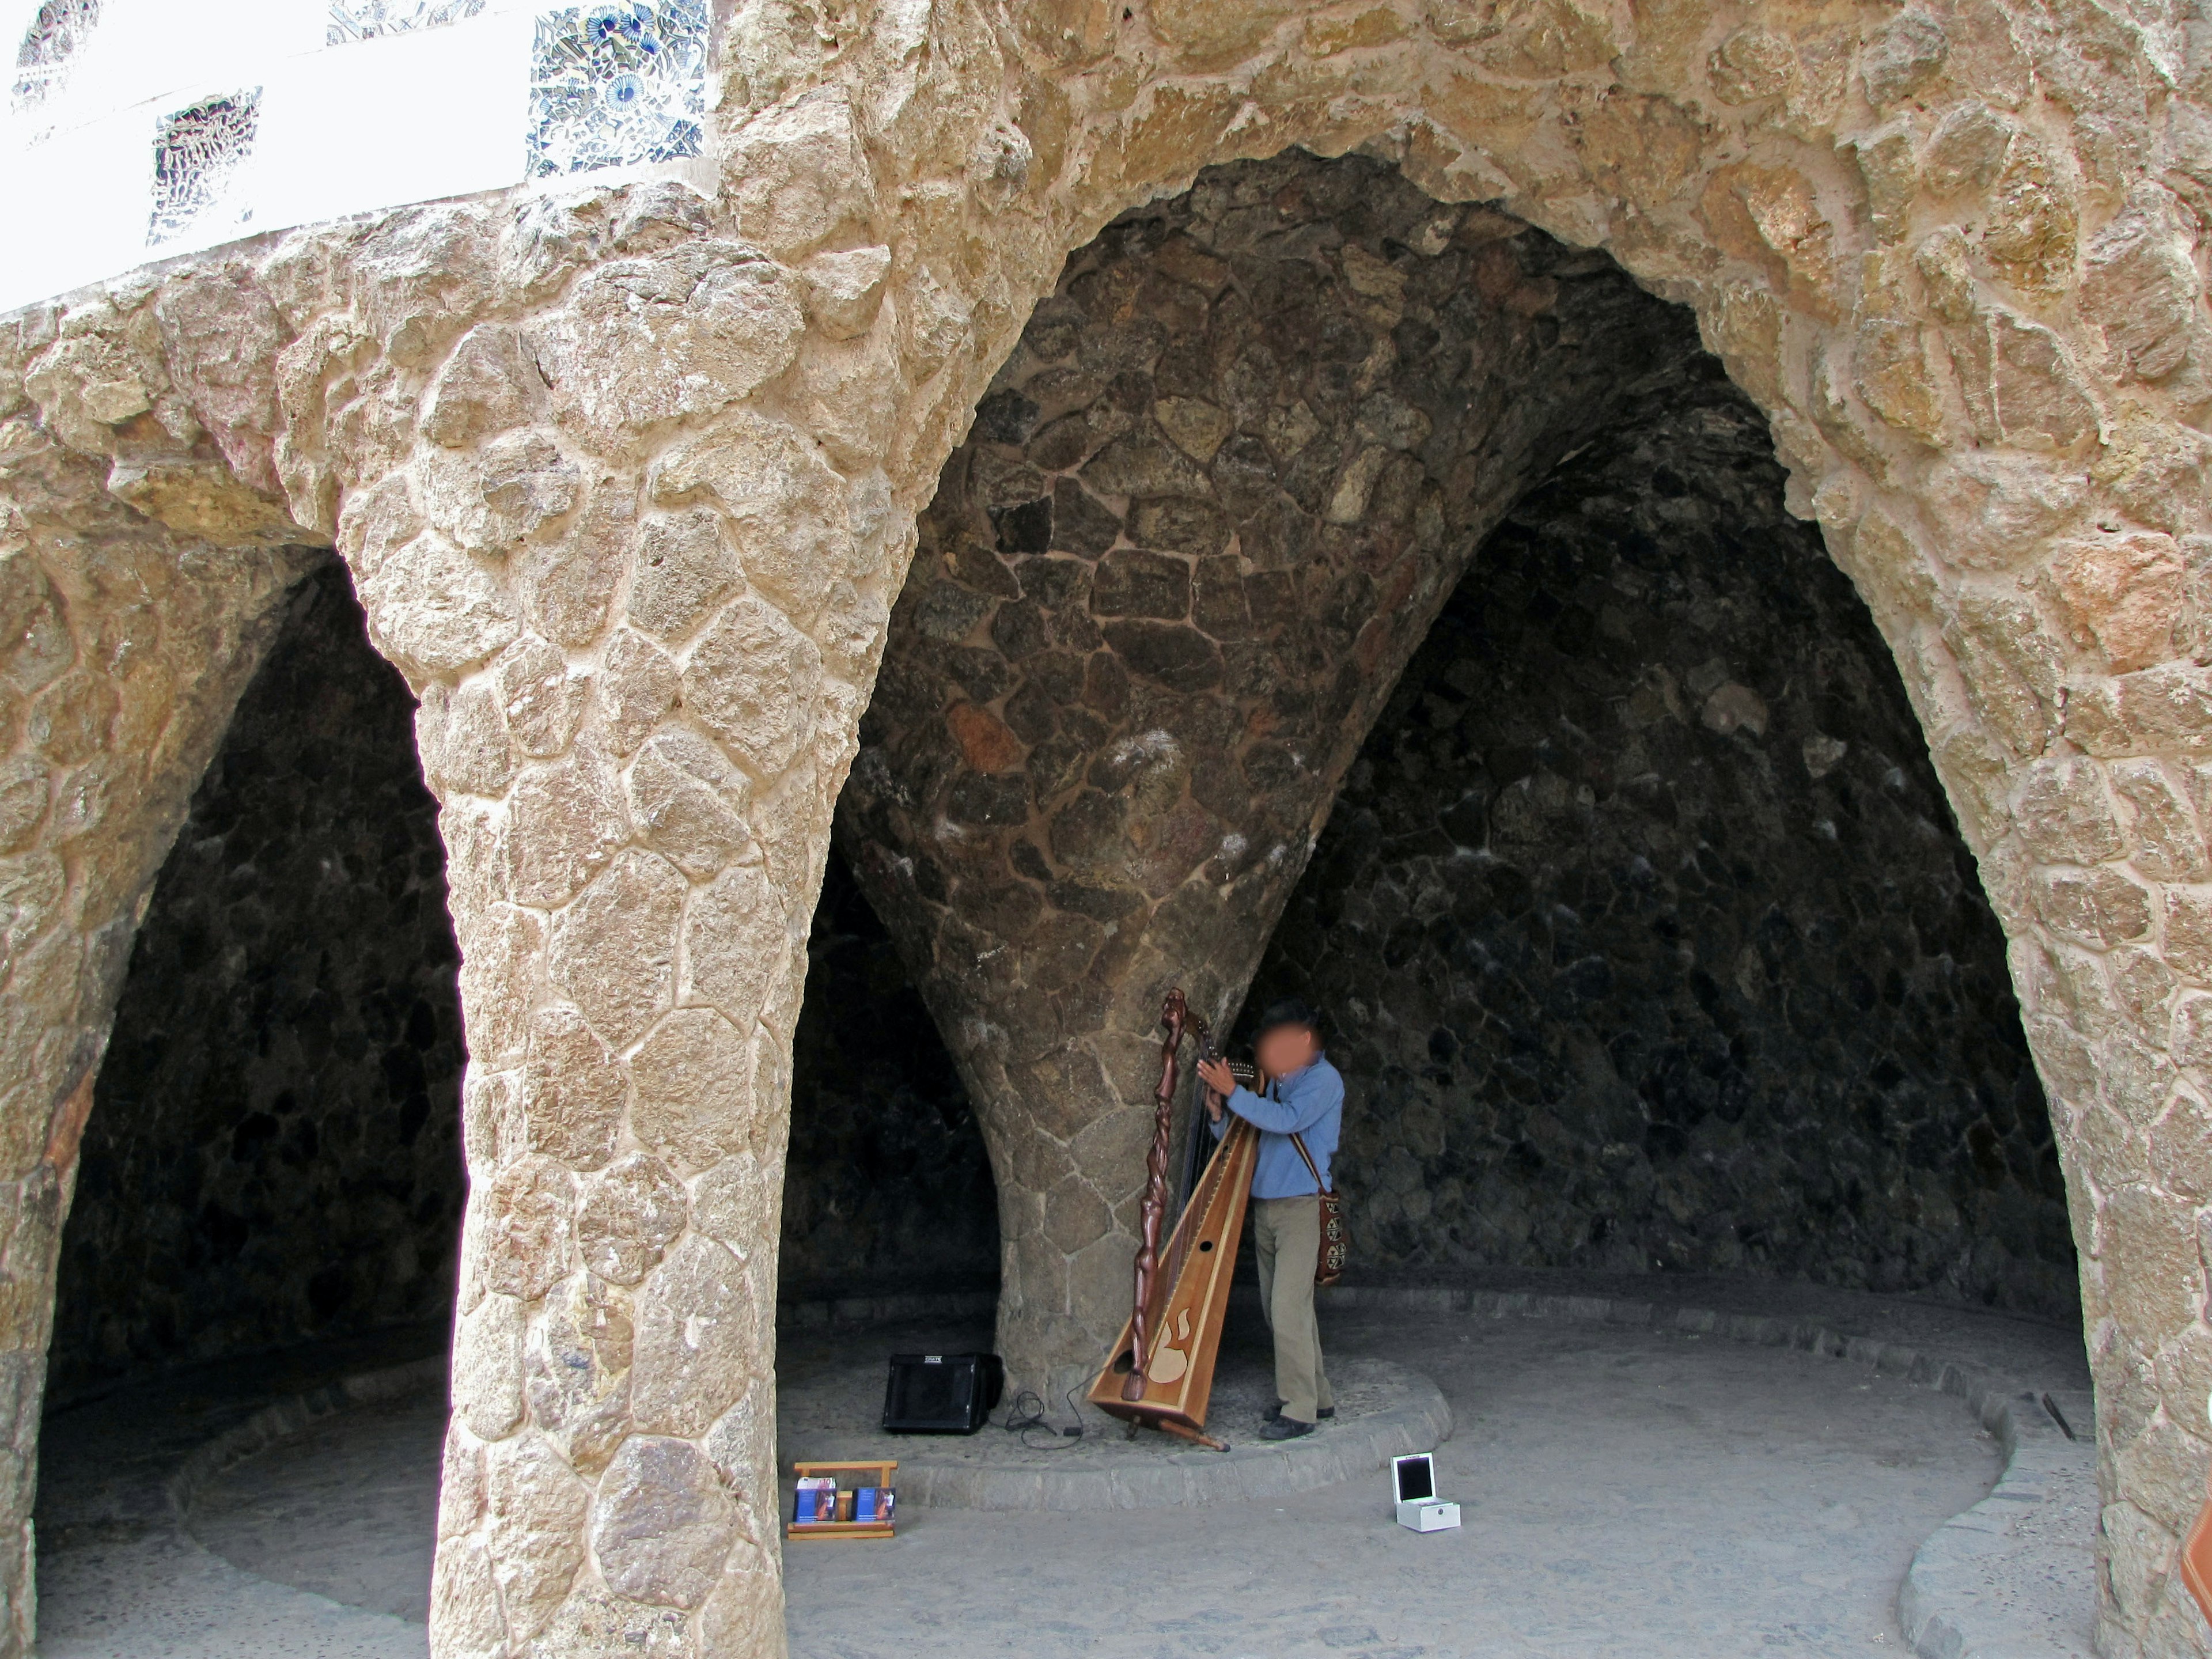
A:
[(2099, 906), (462, 737), (572, 1090), (693, 1080), (488, 386), (592, 1621), (567, 582), (538, 1510), (433, 610), (35, 646), (576, 1372), (2122, 595), (753, 681), (2141, 287), (642, 344), (689, 803), (685, 568), (490, 499), (661, 1524), (526, 1221), (487, 1368), (636, 683), (2154, 1280), (613, 950), (698, 1340), (2064, 814), (464, 1598), (629, 1213), (566, 822), (736, 1201), (85, 387), (845, 290), (2168, 837), (847, 394), (540, 700), (792, 508), (799, 174)]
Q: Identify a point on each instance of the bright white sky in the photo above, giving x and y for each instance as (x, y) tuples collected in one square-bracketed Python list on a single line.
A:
[(346, 129)]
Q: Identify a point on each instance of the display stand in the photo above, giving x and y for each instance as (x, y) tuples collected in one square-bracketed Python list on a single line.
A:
[(882, 1468)]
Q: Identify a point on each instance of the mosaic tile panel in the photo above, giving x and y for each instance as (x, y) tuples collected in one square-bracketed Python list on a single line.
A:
[(197, 152), (364, 19), (50, 46), (616, 84)]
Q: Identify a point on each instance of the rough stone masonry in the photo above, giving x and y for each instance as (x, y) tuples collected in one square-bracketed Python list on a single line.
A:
[(627, 478)]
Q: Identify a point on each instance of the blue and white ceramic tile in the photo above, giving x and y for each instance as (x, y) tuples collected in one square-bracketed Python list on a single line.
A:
[(49, 46), (614, 84), (364, 19), (198, 153)]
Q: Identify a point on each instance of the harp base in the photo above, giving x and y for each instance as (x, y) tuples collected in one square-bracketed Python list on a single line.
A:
[(1166, 1419)]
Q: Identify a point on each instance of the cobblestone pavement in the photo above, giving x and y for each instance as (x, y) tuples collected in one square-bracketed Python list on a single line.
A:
[(1686, 1495)]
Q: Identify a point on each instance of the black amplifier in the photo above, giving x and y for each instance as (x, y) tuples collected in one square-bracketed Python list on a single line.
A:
[(942, 1393)]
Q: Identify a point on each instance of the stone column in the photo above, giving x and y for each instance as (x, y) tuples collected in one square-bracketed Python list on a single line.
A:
[(641, 608), (1205, 512), (140, 585)]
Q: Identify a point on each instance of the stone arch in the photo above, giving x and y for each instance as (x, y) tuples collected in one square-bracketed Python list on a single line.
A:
[(1208, 510), (1952, 252)]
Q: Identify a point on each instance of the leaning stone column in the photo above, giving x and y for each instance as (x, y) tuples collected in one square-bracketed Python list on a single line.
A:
[(140, 585), (1205, 513)]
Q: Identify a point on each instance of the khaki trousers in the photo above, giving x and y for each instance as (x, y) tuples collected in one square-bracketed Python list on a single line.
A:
[(1291, 1227)]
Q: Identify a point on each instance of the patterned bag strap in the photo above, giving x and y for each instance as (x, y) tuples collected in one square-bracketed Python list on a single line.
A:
[(1312, 1168)]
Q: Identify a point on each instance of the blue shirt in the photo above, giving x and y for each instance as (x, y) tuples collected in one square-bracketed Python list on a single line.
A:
[(1309, 1102)]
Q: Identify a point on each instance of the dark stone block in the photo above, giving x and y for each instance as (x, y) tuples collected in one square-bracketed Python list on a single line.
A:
[(1180, 658), (1004, 417), (1134, 583), (1195, 529), (988, 800), (1082, 525)]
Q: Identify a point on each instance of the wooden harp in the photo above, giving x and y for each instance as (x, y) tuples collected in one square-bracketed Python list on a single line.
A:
[(1160, 1372)]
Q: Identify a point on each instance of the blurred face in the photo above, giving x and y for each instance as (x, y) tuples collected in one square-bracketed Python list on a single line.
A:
[(1286, 1048)]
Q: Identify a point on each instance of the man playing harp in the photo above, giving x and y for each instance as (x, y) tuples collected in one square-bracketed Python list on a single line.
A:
[(1304, 1098)]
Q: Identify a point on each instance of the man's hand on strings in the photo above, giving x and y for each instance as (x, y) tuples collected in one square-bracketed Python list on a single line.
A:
[(1220, 1081)]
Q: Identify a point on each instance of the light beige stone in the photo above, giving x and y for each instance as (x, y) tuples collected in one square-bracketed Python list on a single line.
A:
[(685, 568), (693, 1080), (644, 343), (572, 1090), (537, 1508), (613, 951), (689, 803), (629, 1213), (697, 1339)]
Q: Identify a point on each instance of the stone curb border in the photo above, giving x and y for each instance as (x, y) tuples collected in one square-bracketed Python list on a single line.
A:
[(1940, 1603), (281, 1420), (1264, 1470)]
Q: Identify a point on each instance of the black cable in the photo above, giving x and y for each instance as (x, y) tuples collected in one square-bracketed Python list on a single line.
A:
[(1025, 1412)]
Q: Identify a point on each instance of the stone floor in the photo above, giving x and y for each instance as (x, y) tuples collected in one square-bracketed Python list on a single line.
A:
[(1648, 1488)]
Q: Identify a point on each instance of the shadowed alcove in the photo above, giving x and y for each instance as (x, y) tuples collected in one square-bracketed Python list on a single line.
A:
[(273, 1156), (1650, 938)]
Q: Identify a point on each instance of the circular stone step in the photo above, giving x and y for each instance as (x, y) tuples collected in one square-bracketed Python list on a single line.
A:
[(1383, 1411)]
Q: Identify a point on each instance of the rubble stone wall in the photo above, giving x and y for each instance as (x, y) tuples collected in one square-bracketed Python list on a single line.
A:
[(1205, 512), (626, 478), (1644, 932)]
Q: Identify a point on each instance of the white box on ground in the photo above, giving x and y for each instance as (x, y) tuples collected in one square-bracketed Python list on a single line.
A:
[(1428, 1514), (1413, 1485)]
